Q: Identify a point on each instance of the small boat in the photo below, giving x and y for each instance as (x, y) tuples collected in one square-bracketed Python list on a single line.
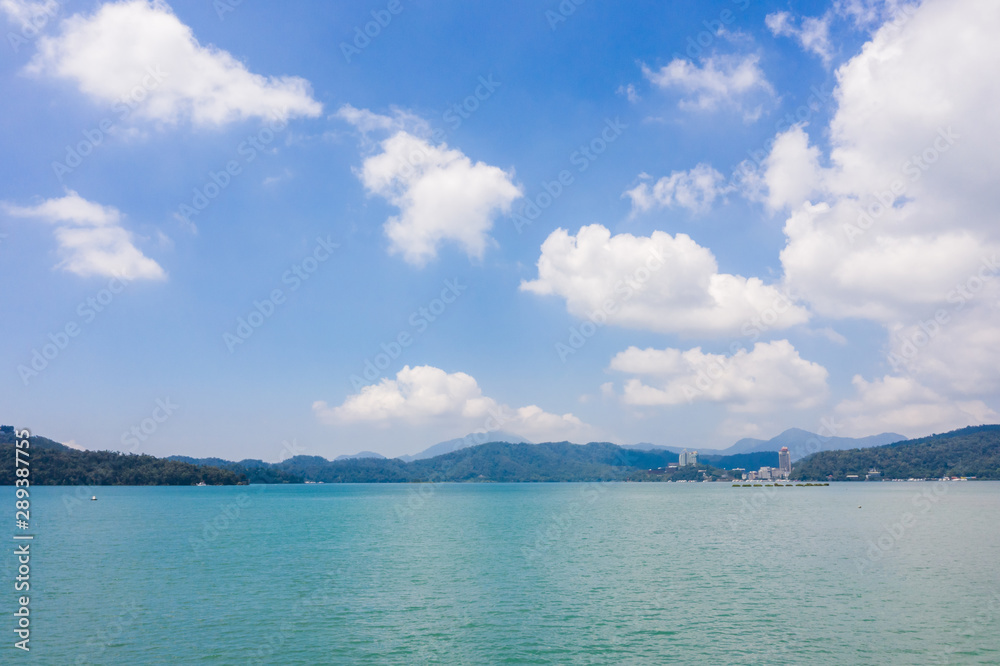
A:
[(93, 498), (201, 483)]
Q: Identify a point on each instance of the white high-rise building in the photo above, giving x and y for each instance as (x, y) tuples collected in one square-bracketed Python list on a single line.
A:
[(785, 461), (685, 458)]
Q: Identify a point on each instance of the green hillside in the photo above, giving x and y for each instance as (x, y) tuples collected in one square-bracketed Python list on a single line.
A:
[(53, 464), (969, 452)]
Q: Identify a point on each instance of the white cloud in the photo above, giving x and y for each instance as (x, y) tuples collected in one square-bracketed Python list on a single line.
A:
[(769, 377), (695, 190), (720, 80), (903, 405), (813, 34), (442, 195), (868, 13), (28, 13), (792, 172), (91, 238), (368, 121), (629, 92), (661, 283), (956, 350), (425, 394), (141, 45), (906, 208)]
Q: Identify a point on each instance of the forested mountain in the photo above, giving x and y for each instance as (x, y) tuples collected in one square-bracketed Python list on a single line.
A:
[(973, 451), (53, 464), (968, 452)]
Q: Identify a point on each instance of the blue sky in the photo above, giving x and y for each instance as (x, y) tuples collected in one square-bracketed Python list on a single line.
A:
[(725, 256)]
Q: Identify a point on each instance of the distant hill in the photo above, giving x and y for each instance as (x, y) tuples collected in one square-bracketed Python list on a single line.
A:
[(362, 454), (501, 462), (800, 443), (53, 464), (973, 451), (255, 471), (747, 461), (472, 439)]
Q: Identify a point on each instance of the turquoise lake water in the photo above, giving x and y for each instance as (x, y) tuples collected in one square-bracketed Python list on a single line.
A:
[(513, 573)]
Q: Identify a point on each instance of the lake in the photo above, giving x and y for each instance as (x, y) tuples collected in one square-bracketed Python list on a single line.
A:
[(695, 573)]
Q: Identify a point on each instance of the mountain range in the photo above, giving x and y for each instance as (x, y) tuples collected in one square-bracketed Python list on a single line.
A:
[(800, 443), (968, 452)]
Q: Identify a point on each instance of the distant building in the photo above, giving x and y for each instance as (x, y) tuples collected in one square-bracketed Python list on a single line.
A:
[(785, 461), (764, 473), (687, 458)]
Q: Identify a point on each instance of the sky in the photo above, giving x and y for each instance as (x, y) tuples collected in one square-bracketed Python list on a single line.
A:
[(255, 230)]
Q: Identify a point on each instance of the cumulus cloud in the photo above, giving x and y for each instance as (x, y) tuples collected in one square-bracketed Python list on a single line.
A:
[(955, 349), (769, 377), (125, 46), (812, 34), (91, 238), (425, 394), (718, 81), (695, 189), (907, 206), (442, 195), (903, 405), (663, 283), (791, 171)]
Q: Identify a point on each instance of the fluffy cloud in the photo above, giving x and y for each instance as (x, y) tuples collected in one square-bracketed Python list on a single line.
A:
[(770, 376), (695, 190), (659, 283), (441, 194), (720, 80), (426, 394), (906, 208), (903, 405), (955, 349), (792, 172), (91, 238), (813, 34), (128, 49)]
